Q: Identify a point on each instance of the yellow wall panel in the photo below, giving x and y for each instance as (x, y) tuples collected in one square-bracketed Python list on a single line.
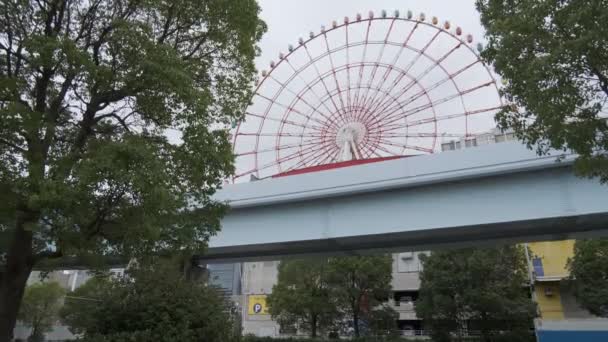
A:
[(554, 255), (549, 300)]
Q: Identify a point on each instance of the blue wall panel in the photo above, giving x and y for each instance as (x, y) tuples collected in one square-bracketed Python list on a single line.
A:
[(572, 336)]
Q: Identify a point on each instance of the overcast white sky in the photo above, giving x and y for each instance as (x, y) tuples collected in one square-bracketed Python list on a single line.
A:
[(289, 19)]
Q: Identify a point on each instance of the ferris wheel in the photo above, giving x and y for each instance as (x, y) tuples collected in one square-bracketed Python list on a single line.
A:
[(369, 87)]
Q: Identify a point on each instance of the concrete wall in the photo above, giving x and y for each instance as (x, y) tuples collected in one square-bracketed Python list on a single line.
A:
[(258, 279)]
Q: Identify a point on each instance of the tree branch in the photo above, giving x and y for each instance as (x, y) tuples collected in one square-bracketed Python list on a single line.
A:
[(16, 147), (47, 255), (115, 116), (603, 79)]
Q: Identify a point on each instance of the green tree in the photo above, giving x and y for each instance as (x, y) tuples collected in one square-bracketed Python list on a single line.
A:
[(359, 284), (481, 289), (112, 125), (80, 305), (154, 303), (383, 321), (40, 308), (553, 58), (302, 297), (589, 275)]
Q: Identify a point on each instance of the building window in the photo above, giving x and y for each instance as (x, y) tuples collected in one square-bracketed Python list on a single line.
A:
[(447, 146), (470, 142), (499, 138), (537, 264)]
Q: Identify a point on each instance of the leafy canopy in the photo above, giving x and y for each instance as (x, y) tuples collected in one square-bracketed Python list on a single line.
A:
[(323, 294), (553, 57), (302, 297), (359, 284), (111, 137), (40, 308), (154, 303), (589, 273), (81, 305), (481, 289)]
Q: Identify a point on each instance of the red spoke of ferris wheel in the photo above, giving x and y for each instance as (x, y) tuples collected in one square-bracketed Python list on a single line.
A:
[(378, 123), (442, 100), (300, 153), (291, 109), (395, 126), (403, 45), (286, 158), (421, 135), (426, 90), (361, 67), (388, 95), (319, 75), (297, 73), (387, 119), (411, 147), (370, 145), (331, 151), (398, 55), (390, 153), (332, 123), (333, 72), (299, 97), (316, 159), (334, 92), (349, 103), (273, 149), (324, 152), (451, 116), (377, 114), (436, 63), (371, 150), (378, 59), (292, 123), (421, 52), (394, 100), (281, 134)]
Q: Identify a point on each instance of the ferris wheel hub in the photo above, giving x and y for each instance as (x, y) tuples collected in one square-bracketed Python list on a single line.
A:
[(349, 138)]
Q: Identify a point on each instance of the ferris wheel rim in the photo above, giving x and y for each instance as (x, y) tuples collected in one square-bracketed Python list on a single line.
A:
[(303, 44)]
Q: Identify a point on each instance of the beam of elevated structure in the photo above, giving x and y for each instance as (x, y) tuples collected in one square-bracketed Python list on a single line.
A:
[(484, 195)]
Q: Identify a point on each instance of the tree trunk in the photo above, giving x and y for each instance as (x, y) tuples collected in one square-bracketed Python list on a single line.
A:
[(313, 326), (19, 265)]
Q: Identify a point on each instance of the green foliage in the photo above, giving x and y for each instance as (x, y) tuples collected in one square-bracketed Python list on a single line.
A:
[(481, 289), (361, 339), (90, 92), (320, 295), (150, 304), (359, 284), (299, 339), (302, 296), (40, 308), (80, 306), (113, 127), (553, 58), (383, 321), (589, 274)]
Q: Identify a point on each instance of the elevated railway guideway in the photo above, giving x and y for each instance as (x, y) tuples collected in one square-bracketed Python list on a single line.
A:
[(483, 195)]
